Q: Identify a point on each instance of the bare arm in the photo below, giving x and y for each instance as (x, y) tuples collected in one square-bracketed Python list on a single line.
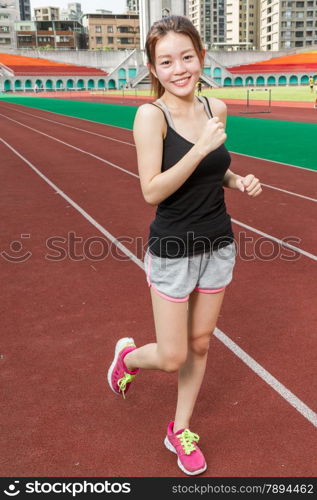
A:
[(230, 179), (148, 132)]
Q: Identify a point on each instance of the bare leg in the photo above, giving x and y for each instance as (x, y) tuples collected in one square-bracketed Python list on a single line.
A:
[(203, 314), (170, 350)]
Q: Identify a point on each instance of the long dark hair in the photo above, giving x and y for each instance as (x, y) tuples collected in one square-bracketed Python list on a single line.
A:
[(177, 24)]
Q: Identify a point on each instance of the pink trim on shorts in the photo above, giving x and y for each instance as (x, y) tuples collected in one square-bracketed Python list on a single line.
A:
[(205, 290), (171, 299)]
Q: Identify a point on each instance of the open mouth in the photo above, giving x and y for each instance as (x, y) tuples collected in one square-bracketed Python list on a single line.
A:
[(182, 82)]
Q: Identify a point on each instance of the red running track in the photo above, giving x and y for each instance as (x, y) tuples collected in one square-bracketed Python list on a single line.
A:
[(61, 319), (280, 110)]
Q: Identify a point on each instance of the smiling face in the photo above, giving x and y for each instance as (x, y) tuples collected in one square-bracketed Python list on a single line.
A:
[(177, 65)]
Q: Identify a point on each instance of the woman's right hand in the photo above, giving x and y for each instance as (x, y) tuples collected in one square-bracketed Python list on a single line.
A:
[(213, 135)]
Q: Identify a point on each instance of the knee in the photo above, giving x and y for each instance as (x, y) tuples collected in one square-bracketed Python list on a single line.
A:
[(172, 362), (199, 344)]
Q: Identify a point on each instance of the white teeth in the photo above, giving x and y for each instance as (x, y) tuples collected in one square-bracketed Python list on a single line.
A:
[(181, 81)]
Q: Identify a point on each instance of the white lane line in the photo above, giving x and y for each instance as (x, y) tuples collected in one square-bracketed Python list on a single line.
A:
[(133, 145), (77, 207), (68, 116), (273, 238), (265, 375), (290, 192), (281, 242), (73, 147), (277, 240), (124, 128), (75, 128), (293, 400), (274, 161)]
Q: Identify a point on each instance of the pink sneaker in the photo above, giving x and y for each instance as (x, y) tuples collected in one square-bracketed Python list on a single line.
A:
[(119, 377), (184, 444)]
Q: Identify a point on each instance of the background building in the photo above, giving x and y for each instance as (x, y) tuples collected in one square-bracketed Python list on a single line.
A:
[(103, 11), (25, 10), (72, 13), (255, 24), (288, 24), (153, 10), (59, 35), (208, 17), (9, 14), (112, 31), (243, 24), (47, 14), (133, 6)]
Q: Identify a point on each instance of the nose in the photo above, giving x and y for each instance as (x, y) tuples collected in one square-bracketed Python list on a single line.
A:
[(179, 67)]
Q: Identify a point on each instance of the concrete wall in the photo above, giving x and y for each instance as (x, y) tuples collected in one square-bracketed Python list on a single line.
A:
[(27, 83)]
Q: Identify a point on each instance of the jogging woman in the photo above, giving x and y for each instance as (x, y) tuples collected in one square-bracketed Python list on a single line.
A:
[(183, 166)]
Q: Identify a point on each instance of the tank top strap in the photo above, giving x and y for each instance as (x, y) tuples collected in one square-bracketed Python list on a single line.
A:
[(206, 104), (160, 107), (166, 112)]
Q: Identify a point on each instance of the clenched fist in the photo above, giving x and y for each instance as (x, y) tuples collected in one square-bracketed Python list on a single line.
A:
[(250, 184), (213, 135)]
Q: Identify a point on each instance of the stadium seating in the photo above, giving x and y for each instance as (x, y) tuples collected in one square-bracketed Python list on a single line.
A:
[(296, 63), (25, 66)]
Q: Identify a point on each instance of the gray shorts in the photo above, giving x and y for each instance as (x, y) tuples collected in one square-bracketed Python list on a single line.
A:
[(175, 279)]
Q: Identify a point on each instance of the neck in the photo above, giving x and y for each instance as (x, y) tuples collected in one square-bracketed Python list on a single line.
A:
[(180, 103)]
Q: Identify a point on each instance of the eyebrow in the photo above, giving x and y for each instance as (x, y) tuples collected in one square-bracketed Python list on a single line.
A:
[(168, 55)]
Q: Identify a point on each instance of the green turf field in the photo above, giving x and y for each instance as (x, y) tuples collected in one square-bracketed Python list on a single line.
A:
[(282, 141), (301, 93)]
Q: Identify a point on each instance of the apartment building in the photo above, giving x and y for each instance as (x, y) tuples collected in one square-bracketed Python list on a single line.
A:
[(61, 35), (25, 10), (243, 24), (288, 24), (116, 31), (47, 14), (255, 24), (208, 17), (133, 6), (8, 16)]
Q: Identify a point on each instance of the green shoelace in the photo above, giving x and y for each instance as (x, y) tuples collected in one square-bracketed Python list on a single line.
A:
[(187, 440), (122, 382)]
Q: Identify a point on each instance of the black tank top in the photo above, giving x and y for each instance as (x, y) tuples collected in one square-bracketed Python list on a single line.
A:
[(194, 219)]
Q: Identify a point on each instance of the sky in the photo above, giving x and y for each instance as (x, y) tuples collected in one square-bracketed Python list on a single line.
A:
[(87, 6)]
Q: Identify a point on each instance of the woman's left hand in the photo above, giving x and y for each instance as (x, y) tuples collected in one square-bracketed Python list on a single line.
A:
[(250, 184)]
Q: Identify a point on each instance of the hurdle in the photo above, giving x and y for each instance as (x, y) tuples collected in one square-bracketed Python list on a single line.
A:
[(267, 109)]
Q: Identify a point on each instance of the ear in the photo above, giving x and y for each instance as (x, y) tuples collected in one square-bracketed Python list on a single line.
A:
[(203, 53), (151, 69)]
